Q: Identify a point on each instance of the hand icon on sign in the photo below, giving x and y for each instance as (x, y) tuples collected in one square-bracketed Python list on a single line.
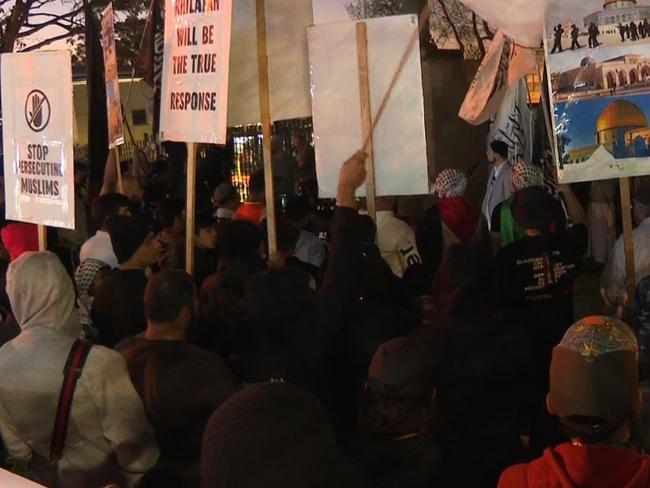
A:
[(37, 110), (36, 114)]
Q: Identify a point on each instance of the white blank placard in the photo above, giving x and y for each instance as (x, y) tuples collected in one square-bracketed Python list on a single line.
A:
[(399, 139)]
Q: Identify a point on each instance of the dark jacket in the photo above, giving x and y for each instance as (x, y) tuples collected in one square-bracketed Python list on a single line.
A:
[(292, 329), (180, 386), (118, 307)]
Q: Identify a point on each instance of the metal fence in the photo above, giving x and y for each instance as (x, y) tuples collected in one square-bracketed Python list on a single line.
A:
[(247, 145), (247, 141)]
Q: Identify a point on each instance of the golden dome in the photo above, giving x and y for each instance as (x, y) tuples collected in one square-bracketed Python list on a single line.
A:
[(621, 114)]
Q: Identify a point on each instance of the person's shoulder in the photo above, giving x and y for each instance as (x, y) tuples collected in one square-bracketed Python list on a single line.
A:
[(102, 358), (207, 361), (514, 477)]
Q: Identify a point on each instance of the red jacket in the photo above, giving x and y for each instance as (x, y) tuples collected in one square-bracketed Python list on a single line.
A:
[(568, 466)]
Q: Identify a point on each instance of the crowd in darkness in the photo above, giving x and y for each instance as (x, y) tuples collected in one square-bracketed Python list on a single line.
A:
[(369, 352)]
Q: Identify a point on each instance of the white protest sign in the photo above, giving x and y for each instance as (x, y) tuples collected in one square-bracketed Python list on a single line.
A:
[(38, 138), (113, 104), (400, 152), (286, 40), (194, 102), (10, 480)]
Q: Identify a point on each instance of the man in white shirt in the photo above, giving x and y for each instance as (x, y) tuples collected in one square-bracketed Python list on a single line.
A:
[(99, 246), (395, 238), (613, 279), (499, 187)]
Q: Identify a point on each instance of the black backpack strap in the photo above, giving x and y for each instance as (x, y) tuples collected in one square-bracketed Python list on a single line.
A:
[(71, 373)]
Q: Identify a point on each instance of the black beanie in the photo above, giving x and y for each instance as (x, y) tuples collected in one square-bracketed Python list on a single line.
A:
[(127, 235), (274, 435)]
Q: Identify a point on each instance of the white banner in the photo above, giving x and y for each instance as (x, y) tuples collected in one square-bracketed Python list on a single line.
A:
[(38, 138), (504, 64), (513, 123), (286, 39), (111, 76), (194, 102), (400, 150), (10, 480)]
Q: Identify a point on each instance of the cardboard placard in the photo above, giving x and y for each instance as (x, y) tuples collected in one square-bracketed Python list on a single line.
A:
[(113, 104), (400, 152), (194, 102), (38, 138)]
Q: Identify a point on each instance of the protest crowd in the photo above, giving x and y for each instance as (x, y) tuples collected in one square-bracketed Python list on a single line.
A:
[(186, 314), (439, 352)]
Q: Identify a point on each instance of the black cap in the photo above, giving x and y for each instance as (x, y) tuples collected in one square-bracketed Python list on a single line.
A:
[(534, 208)]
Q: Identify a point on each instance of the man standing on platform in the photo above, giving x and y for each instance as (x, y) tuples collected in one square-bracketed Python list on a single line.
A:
[(499, 185)]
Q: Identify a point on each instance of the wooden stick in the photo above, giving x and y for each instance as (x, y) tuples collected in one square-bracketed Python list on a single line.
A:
[(118, 170), (628, 239), (424, 18), (189, 217), (545, 108), (42, 238), (267, 131), (366, 116)]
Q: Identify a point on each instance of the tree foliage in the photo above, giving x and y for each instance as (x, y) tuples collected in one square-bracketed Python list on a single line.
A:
[(28, 25), (374, 8), (452, 25)]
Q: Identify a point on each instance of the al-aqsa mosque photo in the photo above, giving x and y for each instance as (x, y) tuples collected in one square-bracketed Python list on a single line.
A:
[(621, 128)]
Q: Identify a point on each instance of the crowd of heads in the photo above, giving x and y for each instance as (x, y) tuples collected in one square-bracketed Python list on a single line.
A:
[(391, 353)]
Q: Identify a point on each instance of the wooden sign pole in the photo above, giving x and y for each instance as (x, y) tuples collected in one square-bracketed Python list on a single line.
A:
[(267, 131), (628, 239), (42, 238), (118, 170), (366, 116), (190, 208)]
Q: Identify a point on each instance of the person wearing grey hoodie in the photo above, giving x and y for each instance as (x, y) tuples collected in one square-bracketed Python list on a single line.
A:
[(108, 437)]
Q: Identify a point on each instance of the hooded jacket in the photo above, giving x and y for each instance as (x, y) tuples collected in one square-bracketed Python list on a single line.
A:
[(107, 421), (568, 466)]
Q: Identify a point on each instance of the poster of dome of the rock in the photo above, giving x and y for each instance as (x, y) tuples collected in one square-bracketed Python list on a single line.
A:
[(598, 58)]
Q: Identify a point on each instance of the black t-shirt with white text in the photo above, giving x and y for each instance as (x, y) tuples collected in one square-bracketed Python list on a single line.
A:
[(534, 283)]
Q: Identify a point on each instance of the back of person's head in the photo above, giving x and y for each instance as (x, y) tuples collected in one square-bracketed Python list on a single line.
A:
[(468, 269), (167, 294), (168, 212), (225, 193), (107, 205), (400, 388), (278, 300), (41, 293), (524, 175), (298, 208), (127, 235), (500, 148), (594, 378), (534, 208), (256, 183), (272, 435), (205, 230), (450, 183), (238, 239)]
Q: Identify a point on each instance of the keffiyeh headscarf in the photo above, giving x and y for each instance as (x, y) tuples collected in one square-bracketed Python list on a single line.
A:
[(84, 277), (450, 183), (524, 175)]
